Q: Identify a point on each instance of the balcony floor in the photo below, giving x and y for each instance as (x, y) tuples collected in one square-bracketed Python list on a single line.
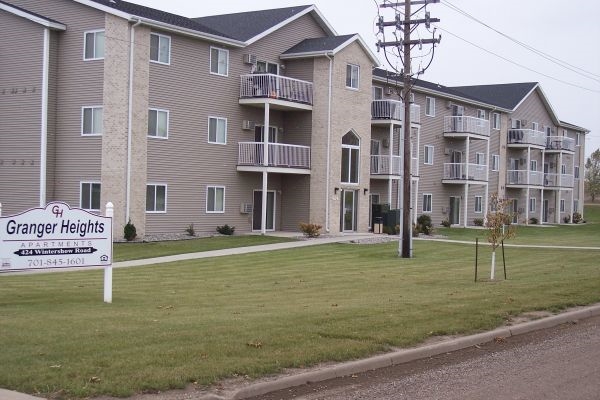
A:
[(276, 104), (273, 170)]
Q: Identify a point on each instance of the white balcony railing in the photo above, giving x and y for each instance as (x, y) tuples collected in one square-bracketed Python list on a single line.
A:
[(558, 180), (394, 110), (386, 165), (519, 177), (526, 136), (560, 143), (462, 124), (280, 155), (276, 87), (459, 171)]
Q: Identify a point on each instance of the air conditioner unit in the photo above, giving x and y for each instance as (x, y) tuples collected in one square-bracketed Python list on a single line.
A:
[(447, 151), (389, 90), (249, 59), (246, 208), (248, 125), (523, 123)]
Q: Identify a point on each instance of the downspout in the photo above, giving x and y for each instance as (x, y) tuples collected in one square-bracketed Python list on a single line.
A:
[(44, 122), (328, 143), (129, 123)]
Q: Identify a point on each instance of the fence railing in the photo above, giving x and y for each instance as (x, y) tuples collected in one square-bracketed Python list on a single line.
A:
[(558, 180), (280, 155), (276, 87), (519, 177), (463, 124), (386, 165), (459, 171), (526, 136), (394, 110), (560, 143)]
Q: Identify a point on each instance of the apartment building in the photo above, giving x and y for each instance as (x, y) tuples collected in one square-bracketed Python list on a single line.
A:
[(165, 116)]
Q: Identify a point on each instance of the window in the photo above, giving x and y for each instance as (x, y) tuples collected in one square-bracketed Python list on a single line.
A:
[(479, 158), (577, 139), (427, 202), (217, 130), (563, 169), (158, 123), (548, 131), (495, 162), (495, 121), (378, 93), (215, 199), (576, 172), (562, 205), (93, 46), (533, 165), (532, 204), (352, 76), (478, 204), (160, 48), (156, 198), (535, 126), (91, 121), (428, 155), (565, 132), (481, 114), (219, 61), (430, 106), (350, 157), (90, 196), (265, 67)]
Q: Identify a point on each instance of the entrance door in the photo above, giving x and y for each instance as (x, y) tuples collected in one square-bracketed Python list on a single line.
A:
[(348, 211), (454, 210), (457, 121), (515, 211), (257, 211), (375, 145), (456, 165), (546, 207)]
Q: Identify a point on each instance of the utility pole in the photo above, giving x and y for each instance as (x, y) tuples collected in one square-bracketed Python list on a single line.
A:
[(406, 26)]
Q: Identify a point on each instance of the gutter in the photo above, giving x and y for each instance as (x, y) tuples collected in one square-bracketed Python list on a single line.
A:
[(129, 122)]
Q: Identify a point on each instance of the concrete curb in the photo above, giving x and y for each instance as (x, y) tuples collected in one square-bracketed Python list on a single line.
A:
[(404, 356), (10, 395)]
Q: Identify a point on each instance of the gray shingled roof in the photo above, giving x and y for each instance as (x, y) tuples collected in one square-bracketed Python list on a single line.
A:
[(31, 13), (318, 44), (161, 16), (507, 95), (244, 26)]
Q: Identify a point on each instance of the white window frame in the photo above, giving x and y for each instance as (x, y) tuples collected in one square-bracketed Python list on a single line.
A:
[(562, 205), (377, 93), (576, 172), (158, 54), (215, 187), (430, 106), (216, 141), (155, 134), (428, 150), (95, 56), (533, 165), (532, 204), (219, 51), (94, 109), (478, 207), (266, 64), (496, 121), (427, 203), (354, 83), (480, 158), (155, 211), (481, 114), (495, 162), (563, 169), (577, 139), (91, 183), (535, 126), (351, 148)]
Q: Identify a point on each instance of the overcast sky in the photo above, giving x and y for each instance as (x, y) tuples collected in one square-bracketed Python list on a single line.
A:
[(568, 31)]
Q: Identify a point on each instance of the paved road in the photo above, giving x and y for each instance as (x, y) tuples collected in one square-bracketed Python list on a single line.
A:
[(562, 363)]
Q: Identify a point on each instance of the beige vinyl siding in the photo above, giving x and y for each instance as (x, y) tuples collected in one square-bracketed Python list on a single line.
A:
[(295, 201), (20, 112), (52, 115)]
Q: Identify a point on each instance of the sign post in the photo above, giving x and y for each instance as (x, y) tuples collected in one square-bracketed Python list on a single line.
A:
[(57, 236)]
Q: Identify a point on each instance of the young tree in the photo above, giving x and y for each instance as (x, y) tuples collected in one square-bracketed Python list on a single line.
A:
[(592, 175), (498, 222)]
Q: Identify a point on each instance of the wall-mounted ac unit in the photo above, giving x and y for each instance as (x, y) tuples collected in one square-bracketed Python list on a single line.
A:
[(523, 123), (249, 59), (389, 90), (246, 208), (248, 125), (447, 151)]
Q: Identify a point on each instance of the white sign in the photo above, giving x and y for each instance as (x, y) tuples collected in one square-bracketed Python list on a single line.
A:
[(56, 236)]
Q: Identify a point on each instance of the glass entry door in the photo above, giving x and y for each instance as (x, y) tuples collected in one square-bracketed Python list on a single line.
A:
[(257, 211), (454, 210), (348, 211)]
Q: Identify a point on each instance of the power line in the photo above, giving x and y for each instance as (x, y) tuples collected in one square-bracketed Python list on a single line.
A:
[(517, 64), (557, 61)]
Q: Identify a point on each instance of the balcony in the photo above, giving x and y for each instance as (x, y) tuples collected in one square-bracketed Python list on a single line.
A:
[(526, 137), (385, 166), (280, 91), (521, 177), (558, 180), (384, 111), (559, 143), (461, 126), (283, 158), (462, 173)]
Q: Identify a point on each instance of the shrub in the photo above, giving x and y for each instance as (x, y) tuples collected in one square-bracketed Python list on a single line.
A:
[(190, 230), (446, 223), (576, 218), (226, 230), (129, 231), (533, 221), (310, 230), (424, 225), (567, 219), (478, 221)]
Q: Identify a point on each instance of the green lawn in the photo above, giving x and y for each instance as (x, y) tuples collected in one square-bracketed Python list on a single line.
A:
[(205, 320)]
